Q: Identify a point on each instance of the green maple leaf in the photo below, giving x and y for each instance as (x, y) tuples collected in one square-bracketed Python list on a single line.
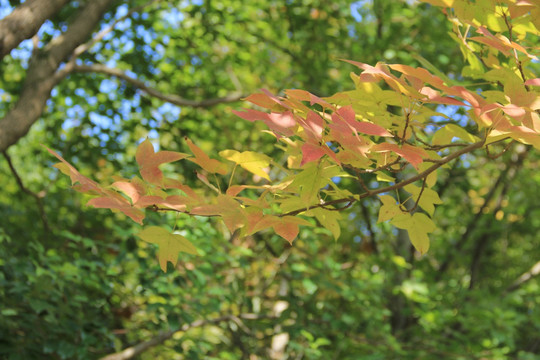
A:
[(418, 226), (389, 209), (312, 179), (428, 199), (329, 219), (169, 244)]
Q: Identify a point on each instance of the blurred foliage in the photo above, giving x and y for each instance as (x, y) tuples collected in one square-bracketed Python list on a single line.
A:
[(89, 287)]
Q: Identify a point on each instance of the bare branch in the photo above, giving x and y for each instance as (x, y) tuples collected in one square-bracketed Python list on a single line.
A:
[(475, 220), (173, 99), (99, 36), (25, 21), (526, 276), (482, 242), (367, 220), (138, 349)]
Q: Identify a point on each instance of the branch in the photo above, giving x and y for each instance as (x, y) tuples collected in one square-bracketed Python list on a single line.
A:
[(173, 99), (474, 222), (24, 22), (518, 62), (437, 164), (40, 79), (368, 193), (24, 189), (533, 271), (99, 36), (419, 197), (481, 243), (367, 220), (132, 351)]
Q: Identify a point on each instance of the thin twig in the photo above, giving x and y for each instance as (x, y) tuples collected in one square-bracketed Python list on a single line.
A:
[(518, 62), (39, 203), (99, 36), (382, 167), (349, 204), (407, 118), (81, 49), (367, 220), (173, 99), (523, 278), (496, 156), (419, 196), (437, 164)]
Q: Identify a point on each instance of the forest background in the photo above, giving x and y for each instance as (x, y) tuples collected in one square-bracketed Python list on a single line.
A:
[(76, 283)]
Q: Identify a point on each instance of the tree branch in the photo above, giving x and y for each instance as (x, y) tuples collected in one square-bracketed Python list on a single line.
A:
[(40, 79), (99, 36), (437, 164), (367, 220), (173, 99), (24, 21), (39, 203), (481, 243), (474, 222), (526, 276), (131, 352), (470, 227)]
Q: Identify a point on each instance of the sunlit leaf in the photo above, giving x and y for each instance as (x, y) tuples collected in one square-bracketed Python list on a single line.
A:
[(204, 161), (149, 161), (169, 244), (249, 160)]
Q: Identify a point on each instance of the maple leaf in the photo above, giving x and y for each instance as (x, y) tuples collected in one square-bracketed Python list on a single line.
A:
[(421, 74), (84, 184), (304, 95), (389, 209), (176, 202), (533, 82), (211, 165), (169, 244), (279, 123), (314, 151), (314, 124), (132, 189), (286, 226), (229, 209), (450, 131), (418, 226), (328, 219), (261, 100), (312, 178), (149, 161), (346, 114), (427, 199), (117, 203), (249, 160), (413, 155), (433, 96), (379, 71)]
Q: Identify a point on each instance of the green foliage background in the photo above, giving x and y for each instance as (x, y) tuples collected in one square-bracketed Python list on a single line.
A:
[(88, 287)]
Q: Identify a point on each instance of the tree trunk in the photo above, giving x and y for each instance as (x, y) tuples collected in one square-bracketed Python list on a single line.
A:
[(25, 21), (41, 76)]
